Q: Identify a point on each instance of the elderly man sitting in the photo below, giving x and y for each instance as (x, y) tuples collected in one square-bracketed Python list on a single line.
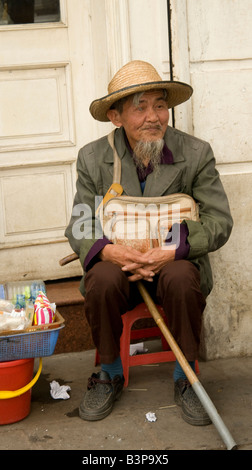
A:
[(156, 160)]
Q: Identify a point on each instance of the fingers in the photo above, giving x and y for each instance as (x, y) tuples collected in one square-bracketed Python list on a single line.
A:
[(133, 266), (134, 262), (139, 273), (138, 277)]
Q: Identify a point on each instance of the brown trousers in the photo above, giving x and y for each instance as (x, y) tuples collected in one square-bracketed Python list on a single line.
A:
[(109, 294)]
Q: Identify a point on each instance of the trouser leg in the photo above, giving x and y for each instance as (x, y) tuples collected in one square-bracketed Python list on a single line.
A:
[(107, 297), (178, 291), (109, 294)]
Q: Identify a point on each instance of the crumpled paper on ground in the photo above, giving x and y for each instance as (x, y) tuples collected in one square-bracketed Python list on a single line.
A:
[(151, 416), (59, 391)]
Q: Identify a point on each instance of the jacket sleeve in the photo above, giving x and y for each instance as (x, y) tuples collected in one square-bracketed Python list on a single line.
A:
[(216, 222), (84, 228)]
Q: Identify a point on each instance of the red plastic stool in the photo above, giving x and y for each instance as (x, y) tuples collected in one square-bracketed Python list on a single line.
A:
[(129, 318)]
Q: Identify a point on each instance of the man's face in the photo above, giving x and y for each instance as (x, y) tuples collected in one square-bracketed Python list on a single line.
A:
[(145, 122)]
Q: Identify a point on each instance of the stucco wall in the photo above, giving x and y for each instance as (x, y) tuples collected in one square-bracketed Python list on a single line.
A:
[(215, 56)]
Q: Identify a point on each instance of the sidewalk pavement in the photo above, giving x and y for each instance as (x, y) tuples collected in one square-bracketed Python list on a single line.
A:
[(55, 424)]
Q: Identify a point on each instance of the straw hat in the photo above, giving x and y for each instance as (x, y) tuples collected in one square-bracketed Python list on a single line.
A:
[(135, 77)]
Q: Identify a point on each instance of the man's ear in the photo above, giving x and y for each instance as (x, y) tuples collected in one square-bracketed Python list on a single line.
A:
[(115, 117)]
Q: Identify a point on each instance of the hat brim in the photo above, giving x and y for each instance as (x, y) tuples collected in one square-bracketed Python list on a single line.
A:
[(177, 93)]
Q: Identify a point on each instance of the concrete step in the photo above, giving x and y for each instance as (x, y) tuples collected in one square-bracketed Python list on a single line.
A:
[(76, 336)]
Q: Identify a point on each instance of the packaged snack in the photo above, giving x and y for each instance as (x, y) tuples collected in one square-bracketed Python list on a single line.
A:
[(44, 311), (2, 291), (16, 319), (6, 306), (43, 315), (22, 292)]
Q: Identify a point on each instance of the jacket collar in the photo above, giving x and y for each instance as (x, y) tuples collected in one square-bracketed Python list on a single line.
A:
[(159, 181)]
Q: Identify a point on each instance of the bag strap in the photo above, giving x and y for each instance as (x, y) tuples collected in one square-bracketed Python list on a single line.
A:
[(117, 160), (115, 189)]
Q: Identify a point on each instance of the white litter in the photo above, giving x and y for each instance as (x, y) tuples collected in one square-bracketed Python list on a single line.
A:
[(137, 348), (59, 391), (151, 417)]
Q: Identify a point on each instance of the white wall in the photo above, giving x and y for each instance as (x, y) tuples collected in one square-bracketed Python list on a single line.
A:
[(148, 24), (212, 48)]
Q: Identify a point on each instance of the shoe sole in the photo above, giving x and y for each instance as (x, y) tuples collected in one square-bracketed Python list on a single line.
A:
[(188, 418), (98, 416), (195, 421), (95, 417)]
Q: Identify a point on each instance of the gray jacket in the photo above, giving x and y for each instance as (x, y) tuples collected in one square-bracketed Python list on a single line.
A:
[(193, 172)]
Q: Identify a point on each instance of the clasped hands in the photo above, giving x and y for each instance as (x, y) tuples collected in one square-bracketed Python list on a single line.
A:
[(142, 266)]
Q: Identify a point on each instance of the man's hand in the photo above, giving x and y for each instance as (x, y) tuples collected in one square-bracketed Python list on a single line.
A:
[(127, 256), (141, 265), (155, 259)]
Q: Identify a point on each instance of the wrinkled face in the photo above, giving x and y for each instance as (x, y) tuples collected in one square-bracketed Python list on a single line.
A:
[(146, 121)]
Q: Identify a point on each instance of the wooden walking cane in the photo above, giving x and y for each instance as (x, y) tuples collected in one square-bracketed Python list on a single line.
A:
[(193, 379)]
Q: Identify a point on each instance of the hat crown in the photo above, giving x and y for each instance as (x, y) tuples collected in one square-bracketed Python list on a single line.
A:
[(135, 77), (135, 72)]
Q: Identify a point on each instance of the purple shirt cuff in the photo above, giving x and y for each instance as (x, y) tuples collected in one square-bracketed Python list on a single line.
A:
[(92, 257), (183, 248)]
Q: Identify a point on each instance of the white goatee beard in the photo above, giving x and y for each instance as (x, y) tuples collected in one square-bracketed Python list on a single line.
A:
[(148, 152)]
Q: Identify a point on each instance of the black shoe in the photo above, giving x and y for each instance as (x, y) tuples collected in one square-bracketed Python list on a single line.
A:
[(193, 411), (101, 394)]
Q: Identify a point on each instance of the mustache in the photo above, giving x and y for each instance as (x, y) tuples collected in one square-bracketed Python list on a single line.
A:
[(153, 126), (150, 151)]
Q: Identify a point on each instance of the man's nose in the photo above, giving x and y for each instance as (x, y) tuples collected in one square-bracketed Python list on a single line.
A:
[(152, 115)]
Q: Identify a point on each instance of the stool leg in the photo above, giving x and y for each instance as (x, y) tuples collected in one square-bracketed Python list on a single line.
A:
[(165, 345), (125, 348), (97, 358)]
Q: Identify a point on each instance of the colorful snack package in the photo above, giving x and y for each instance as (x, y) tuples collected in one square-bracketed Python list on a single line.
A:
[(44, 311)]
